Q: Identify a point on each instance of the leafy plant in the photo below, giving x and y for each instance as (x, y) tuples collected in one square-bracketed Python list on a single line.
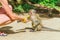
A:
[(26, 7), (18, 9), (49, 3), (23, 6)]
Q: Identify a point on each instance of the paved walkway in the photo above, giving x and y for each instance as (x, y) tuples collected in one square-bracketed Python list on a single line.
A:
[(43, 35), (53, 23)]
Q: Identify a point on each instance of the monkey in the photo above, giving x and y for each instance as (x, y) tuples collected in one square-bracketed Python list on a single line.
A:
[(36, 21)]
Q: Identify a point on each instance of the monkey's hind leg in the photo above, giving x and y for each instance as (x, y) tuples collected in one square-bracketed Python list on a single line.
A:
[(37, 27)]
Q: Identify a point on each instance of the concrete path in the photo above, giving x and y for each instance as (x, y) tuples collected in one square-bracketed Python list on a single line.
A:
[(43, 35), (53, 23)]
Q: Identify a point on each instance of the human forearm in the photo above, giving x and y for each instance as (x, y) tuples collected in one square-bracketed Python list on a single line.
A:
[(7, 8)]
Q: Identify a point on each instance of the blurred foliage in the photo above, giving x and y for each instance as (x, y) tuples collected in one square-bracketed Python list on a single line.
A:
[(36, 1), (26, 7), (23, 6), (49, 3)]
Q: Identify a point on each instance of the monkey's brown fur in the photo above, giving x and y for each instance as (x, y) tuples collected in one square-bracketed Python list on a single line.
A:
[(36, 21)]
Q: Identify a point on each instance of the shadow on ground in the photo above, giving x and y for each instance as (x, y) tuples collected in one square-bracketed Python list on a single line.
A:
[(7, 30)]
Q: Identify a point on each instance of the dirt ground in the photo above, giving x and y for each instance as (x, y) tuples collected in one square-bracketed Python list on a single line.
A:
[(53, 23)]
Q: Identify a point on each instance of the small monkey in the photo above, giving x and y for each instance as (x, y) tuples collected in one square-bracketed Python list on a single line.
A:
[(36, 21)]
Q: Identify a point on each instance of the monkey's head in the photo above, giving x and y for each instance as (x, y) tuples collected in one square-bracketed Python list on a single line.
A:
[(32, 12)]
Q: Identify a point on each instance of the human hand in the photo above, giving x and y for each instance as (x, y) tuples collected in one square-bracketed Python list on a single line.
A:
[(24, 19)]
